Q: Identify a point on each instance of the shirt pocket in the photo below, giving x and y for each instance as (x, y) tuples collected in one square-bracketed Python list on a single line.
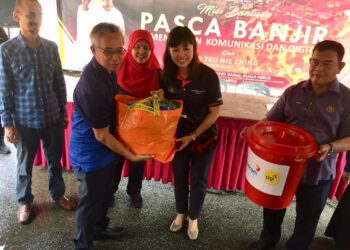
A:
[(23, 73)]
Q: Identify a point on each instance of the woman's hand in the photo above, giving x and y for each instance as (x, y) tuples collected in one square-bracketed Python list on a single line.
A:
[(183, 142), (159, 93)]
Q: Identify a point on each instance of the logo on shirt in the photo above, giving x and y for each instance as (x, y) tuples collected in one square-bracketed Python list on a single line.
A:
[(330, 108), (198, 91)]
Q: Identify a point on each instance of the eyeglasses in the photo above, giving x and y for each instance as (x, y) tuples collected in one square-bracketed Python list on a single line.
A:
[(110, 52), (325, 65)]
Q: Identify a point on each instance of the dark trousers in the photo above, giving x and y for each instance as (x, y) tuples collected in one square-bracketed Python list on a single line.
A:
[(136, 173), (27, 146), (310, 202), (195, 165), (338, 226), (136, 170), (95, 190)]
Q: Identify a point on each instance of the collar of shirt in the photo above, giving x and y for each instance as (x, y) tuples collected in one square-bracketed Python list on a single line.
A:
[(23, 42), (334, 86), (100, 69), (184, 82), (103, 73)]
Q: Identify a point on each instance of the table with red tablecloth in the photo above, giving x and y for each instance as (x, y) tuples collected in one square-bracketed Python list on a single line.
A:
[(228, 167)]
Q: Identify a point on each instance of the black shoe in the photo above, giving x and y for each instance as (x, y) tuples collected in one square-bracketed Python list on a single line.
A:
[(136, 200), (3, 148), (110, 232), (260, 245)]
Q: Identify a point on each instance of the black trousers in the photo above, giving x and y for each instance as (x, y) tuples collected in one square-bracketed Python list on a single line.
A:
[(338, 227), (95, 190), (136, 173), (193, 166), (310, 202), (136, 170)]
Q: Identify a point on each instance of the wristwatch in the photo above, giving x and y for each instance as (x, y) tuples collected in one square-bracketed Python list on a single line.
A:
[(194, 135), (330, 148)]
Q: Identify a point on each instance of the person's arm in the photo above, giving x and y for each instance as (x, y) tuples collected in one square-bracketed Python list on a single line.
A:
[(7, 99), (333, 147), (106, 138), (207, 122)]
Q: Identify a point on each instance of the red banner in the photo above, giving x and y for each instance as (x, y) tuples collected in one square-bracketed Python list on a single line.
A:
[(256, 46)]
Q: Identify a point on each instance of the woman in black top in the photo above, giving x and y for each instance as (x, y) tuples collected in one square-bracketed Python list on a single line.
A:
[(197, 85)]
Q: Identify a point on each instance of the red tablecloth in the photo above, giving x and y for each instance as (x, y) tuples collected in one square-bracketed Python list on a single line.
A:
[(228, 168)]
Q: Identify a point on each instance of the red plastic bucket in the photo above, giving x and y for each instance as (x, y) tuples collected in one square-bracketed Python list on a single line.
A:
[(277, 156)]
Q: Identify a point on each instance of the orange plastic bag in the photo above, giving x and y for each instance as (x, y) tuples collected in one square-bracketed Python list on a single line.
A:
[(147, 131)]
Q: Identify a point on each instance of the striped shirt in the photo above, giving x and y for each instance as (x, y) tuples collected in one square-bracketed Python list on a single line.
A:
[(32, 86)]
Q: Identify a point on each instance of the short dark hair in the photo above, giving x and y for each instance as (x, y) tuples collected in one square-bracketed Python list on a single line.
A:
[(177, 36), (100, 29), (331, 45)]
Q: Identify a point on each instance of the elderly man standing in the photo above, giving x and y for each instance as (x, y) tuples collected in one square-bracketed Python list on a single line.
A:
[(32, 105), (320, 105), (94, 151)]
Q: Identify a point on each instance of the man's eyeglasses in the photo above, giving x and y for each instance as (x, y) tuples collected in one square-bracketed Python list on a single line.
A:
[(325, 65), (110, 52)]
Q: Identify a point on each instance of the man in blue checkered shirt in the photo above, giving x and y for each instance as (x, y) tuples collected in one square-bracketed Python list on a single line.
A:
[(32, 105)]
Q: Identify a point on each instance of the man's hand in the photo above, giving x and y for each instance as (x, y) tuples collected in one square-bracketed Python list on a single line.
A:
[(323, 152), (137, 158), (11, 135), (64, 122)]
